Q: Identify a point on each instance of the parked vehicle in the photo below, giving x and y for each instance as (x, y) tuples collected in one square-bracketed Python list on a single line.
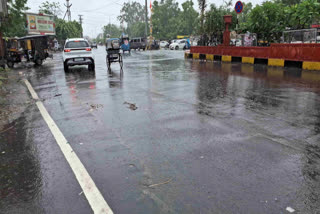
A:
[(12, 53), (172, 41), (164, 44), (77, 51), (138, 43), (94, 45), (178, 44), (35, 48), (113, 52), (125, 44)]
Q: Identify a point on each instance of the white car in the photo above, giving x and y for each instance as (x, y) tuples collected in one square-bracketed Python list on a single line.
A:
[(179, 44), (78, 51), (164, 44)]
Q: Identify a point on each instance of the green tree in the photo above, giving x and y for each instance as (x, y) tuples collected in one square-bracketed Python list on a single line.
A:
[(243, 17), (188, 19), (214, 23), (137, 29), (15, 25), (202, 8), (302, 15), (65, 30), (132, 14), (267, 20), (165, 19), (288, 2), (52, 8), (113, 30)]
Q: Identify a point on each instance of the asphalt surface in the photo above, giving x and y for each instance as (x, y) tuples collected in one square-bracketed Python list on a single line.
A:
[(168, 135)]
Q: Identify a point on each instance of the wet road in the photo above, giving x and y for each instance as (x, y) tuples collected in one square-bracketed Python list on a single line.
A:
[(205, 138)]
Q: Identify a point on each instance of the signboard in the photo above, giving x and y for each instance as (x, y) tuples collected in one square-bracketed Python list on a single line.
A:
[(40, 24), (238, 7)]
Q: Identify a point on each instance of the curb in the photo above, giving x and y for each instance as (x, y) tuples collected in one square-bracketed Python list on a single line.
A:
[(306, 65)]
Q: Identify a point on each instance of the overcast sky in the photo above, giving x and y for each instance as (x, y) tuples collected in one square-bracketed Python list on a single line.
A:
[(96, 13)]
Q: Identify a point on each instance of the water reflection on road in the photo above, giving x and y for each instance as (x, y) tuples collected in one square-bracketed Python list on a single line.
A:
[(281, 102), (227, 136)]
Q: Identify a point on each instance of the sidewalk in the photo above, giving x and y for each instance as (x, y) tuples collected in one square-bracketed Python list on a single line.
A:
[(14, 97), (15, 162)]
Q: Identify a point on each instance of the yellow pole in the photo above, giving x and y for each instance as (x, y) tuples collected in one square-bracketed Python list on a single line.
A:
[(150, 38)]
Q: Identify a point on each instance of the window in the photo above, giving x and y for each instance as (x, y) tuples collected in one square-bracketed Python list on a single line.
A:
[(77, 44)]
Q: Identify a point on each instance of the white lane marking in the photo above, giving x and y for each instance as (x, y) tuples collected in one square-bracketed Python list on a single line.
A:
[(93, 195), (31, 90)]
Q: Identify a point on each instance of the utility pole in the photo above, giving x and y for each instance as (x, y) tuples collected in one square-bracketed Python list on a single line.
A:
[(80, 21), (146, 16), (68, 11)]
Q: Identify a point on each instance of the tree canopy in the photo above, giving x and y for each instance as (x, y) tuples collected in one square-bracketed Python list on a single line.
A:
[(271, 18), (113, 30), (169, 21), (133, 15), (50, 8), (288, 2), (165, 19), (64, 29), (188, 19), (15, 25), (267, 20)]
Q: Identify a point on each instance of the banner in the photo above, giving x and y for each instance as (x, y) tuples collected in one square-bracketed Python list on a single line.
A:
[(40, 24)]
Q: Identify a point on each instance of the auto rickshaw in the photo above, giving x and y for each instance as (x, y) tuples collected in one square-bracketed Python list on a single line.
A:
[(113, 52), (124, 42), (35, 47), (12, 52)]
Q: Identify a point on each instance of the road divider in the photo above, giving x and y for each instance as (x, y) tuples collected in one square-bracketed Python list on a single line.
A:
[(251, 60), (305, 56)]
